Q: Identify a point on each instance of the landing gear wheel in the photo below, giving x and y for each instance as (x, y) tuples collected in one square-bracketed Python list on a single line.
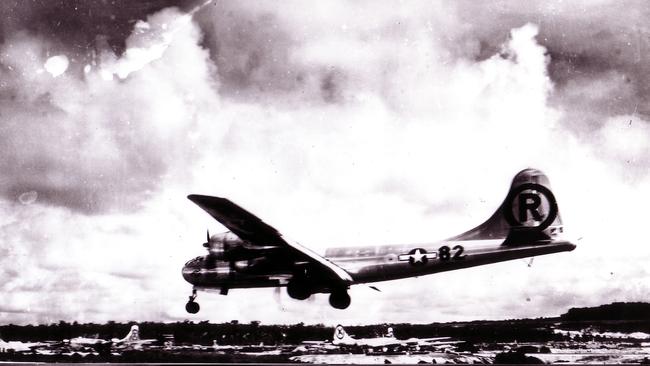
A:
[(192, 307), (298, 290), (340, 299)]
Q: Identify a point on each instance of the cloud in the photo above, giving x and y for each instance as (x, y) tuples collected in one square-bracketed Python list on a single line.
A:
[(92, 144)]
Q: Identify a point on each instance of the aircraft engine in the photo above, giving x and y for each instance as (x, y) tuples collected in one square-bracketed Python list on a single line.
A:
[(219, 245)]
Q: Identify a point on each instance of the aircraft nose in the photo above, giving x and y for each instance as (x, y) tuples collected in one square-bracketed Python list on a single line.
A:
[(189, 273), (191, 269)]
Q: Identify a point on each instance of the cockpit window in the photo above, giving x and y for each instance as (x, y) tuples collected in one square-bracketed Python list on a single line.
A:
[(194, 261)]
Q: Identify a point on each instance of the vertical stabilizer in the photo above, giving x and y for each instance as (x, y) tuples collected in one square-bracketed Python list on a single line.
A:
[(341, 336), (528, 214), (133, 335)]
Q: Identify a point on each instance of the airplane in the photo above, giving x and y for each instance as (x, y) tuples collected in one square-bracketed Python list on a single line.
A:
[(216, 347), (85, 342), (19, 347), (132, 339), (223, 348), (254, 254), (386, 343), (342, 338), (435, 343)]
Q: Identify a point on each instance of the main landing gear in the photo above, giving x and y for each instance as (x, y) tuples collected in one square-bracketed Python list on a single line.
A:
[(340, 299), (299, 289), (192, 307)]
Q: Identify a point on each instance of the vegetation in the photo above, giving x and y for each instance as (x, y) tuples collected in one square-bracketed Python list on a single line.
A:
[(614, 311), (623, 317)]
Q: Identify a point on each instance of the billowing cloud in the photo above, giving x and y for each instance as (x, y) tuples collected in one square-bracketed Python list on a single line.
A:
[(347, 124), (91, 143)]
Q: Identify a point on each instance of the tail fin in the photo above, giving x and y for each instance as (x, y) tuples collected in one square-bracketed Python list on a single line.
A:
[(134, 334), (341, 336), (528, 214)]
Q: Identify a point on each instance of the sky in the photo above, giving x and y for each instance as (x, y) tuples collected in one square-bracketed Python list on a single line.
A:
[(340, 124)]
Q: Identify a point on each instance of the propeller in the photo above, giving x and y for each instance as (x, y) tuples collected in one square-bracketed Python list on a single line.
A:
[(211, 261), (207, 239), (278, 296)]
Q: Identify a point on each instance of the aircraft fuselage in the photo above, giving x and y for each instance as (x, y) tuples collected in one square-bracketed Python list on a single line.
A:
[(395, 262), (371, 264)]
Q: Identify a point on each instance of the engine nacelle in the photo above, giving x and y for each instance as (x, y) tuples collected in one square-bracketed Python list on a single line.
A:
[(219, 244)]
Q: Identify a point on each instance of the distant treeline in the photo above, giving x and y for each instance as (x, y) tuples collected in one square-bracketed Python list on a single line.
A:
[(614, 311), (618, 316), (254, 333)]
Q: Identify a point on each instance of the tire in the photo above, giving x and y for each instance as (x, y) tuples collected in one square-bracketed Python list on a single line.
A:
[(298, 290), (340, 299), (192, 307)]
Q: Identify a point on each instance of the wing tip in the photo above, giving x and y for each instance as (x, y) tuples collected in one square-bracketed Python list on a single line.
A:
[(196, 198), (202, 200), (201, 197)]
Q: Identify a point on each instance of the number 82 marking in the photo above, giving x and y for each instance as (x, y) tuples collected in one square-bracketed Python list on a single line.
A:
[(445, 253)]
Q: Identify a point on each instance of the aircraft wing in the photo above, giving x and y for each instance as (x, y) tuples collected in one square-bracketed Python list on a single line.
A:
[(318, 343), (255, 231), (379, 342), (430, 340)]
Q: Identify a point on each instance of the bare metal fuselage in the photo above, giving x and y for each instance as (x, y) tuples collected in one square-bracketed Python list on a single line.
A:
[(371, 264)]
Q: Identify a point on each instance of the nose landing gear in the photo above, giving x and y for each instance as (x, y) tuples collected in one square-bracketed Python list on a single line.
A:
[(192, 307)]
